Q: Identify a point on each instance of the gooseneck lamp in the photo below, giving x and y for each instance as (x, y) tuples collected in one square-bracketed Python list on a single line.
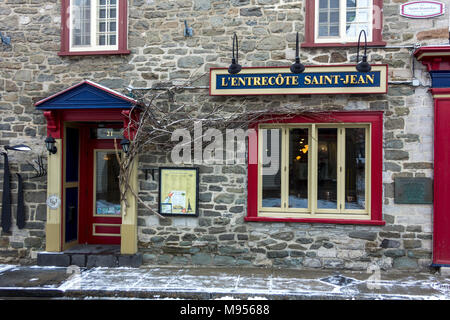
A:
[(235, 67), (18, 147), (297, 67), (362, 66)]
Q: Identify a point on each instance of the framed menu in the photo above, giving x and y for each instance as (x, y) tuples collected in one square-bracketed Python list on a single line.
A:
[(178, 191)]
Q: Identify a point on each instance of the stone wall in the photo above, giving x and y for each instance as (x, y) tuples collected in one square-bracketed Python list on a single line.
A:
[(220, 237), (30, 69)]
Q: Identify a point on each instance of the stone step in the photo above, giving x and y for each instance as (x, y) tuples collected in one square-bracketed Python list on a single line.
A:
[(86, 256)]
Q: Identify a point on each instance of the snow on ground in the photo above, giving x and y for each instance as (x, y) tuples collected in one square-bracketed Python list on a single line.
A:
[(4, 267), (166, 282), (256, 286)]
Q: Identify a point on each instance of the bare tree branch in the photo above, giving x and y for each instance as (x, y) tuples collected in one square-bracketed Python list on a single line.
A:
[(158, 114)]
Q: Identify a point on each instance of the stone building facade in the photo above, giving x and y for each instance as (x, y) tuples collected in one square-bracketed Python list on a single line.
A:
[(159, 53)]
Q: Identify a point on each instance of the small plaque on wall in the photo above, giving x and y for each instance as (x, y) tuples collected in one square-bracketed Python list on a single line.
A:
[(422, 9), (413, 190)]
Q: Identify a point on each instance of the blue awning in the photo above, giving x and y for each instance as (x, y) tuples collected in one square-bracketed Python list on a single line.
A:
[(86, 95)]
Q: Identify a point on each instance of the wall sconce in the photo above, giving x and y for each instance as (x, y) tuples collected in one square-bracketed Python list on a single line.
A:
[(50, 144), (125, 144), (363, 66), (235, 67), (297, 67), (18, 147)]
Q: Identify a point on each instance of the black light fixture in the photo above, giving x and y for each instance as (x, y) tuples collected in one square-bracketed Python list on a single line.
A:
[(363, 66), (18, 147), (297, 67), (125, 144), (234, 67), (50, 144)]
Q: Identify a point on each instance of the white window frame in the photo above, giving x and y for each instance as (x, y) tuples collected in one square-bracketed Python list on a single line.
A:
[(94, 29), (312, 211), (342, 38)]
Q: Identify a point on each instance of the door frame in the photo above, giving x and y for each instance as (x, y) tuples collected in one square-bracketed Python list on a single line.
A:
[(56, 121), (86, 101), (65, 185), (87, 185)]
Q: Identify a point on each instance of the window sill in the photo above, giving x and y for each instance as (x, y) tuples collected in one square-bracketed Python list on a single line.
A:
[(93, 53), (315, 220), (341, 45)]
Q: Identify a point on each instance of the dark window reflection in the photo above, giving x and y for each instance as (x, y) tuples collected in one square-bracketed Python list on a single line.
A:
[(107, 185), (327, 169), (271, 157), (355, 166), (298, 168)]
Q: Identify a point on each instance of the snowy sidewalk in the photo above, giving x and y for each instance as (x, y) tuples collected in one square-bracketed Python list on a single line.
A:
[(216, 283)]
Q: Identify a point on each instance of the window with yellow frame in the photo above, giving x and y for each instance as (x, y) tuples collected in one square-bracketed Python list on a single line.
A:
[(314, 170)]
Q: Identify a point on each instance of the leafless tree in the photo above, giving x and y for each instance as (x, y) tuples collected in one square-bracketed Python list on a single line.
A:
[(159, 113)]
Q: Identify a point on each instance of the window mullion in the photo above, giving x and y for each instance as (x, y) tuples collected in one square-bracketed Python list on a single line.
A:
[(341, 170), (94, 13), (285, 168), (71, 14), (316, 20), (312, 194), (368, 165), (260, 167), (342, 19)]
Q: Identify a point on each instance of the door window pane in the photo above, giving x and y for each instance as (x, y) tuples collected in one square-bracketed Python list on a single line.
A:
[(298, 168), (107, 193), (271, 168), (327, 168), (72, 154), (355, 166)]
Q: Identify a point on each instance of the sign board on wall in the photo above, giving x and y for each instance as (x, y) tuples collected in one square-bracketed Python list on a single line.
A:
[(422, 9), (333, 79), (413, 190)]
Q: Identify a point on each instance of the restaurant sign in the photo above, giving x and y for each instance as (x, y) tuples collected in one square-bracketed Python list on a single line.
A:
[(338, 79), (422, 9)]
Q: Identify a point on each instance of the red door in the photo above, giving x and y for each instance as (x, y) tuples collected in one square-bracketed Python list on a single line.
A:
[(100, 212)]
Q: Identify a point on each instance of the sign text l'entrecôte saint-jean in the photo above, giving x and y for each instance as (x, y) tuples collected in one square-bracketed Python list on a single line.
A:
[(315, 80)]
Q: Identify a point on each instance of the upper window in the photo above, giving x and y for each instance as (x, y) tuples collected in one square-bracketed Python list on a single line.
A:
[(339, 22), (342, 20), (94, 27), (318, 171)]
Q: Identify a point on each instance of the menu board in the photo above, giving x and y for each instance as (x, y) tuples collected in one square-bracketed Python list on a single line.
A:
[(178, 191)]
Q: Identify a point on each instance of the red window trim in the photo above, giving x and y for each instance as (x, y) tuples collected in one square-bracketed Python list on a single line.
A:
[(377, 36), (375, 118), (123, 32)]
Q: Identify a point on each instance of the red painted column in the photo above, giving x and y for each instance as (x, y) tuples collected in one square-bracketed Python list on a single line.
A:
[(441, 218), (437, 60)]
